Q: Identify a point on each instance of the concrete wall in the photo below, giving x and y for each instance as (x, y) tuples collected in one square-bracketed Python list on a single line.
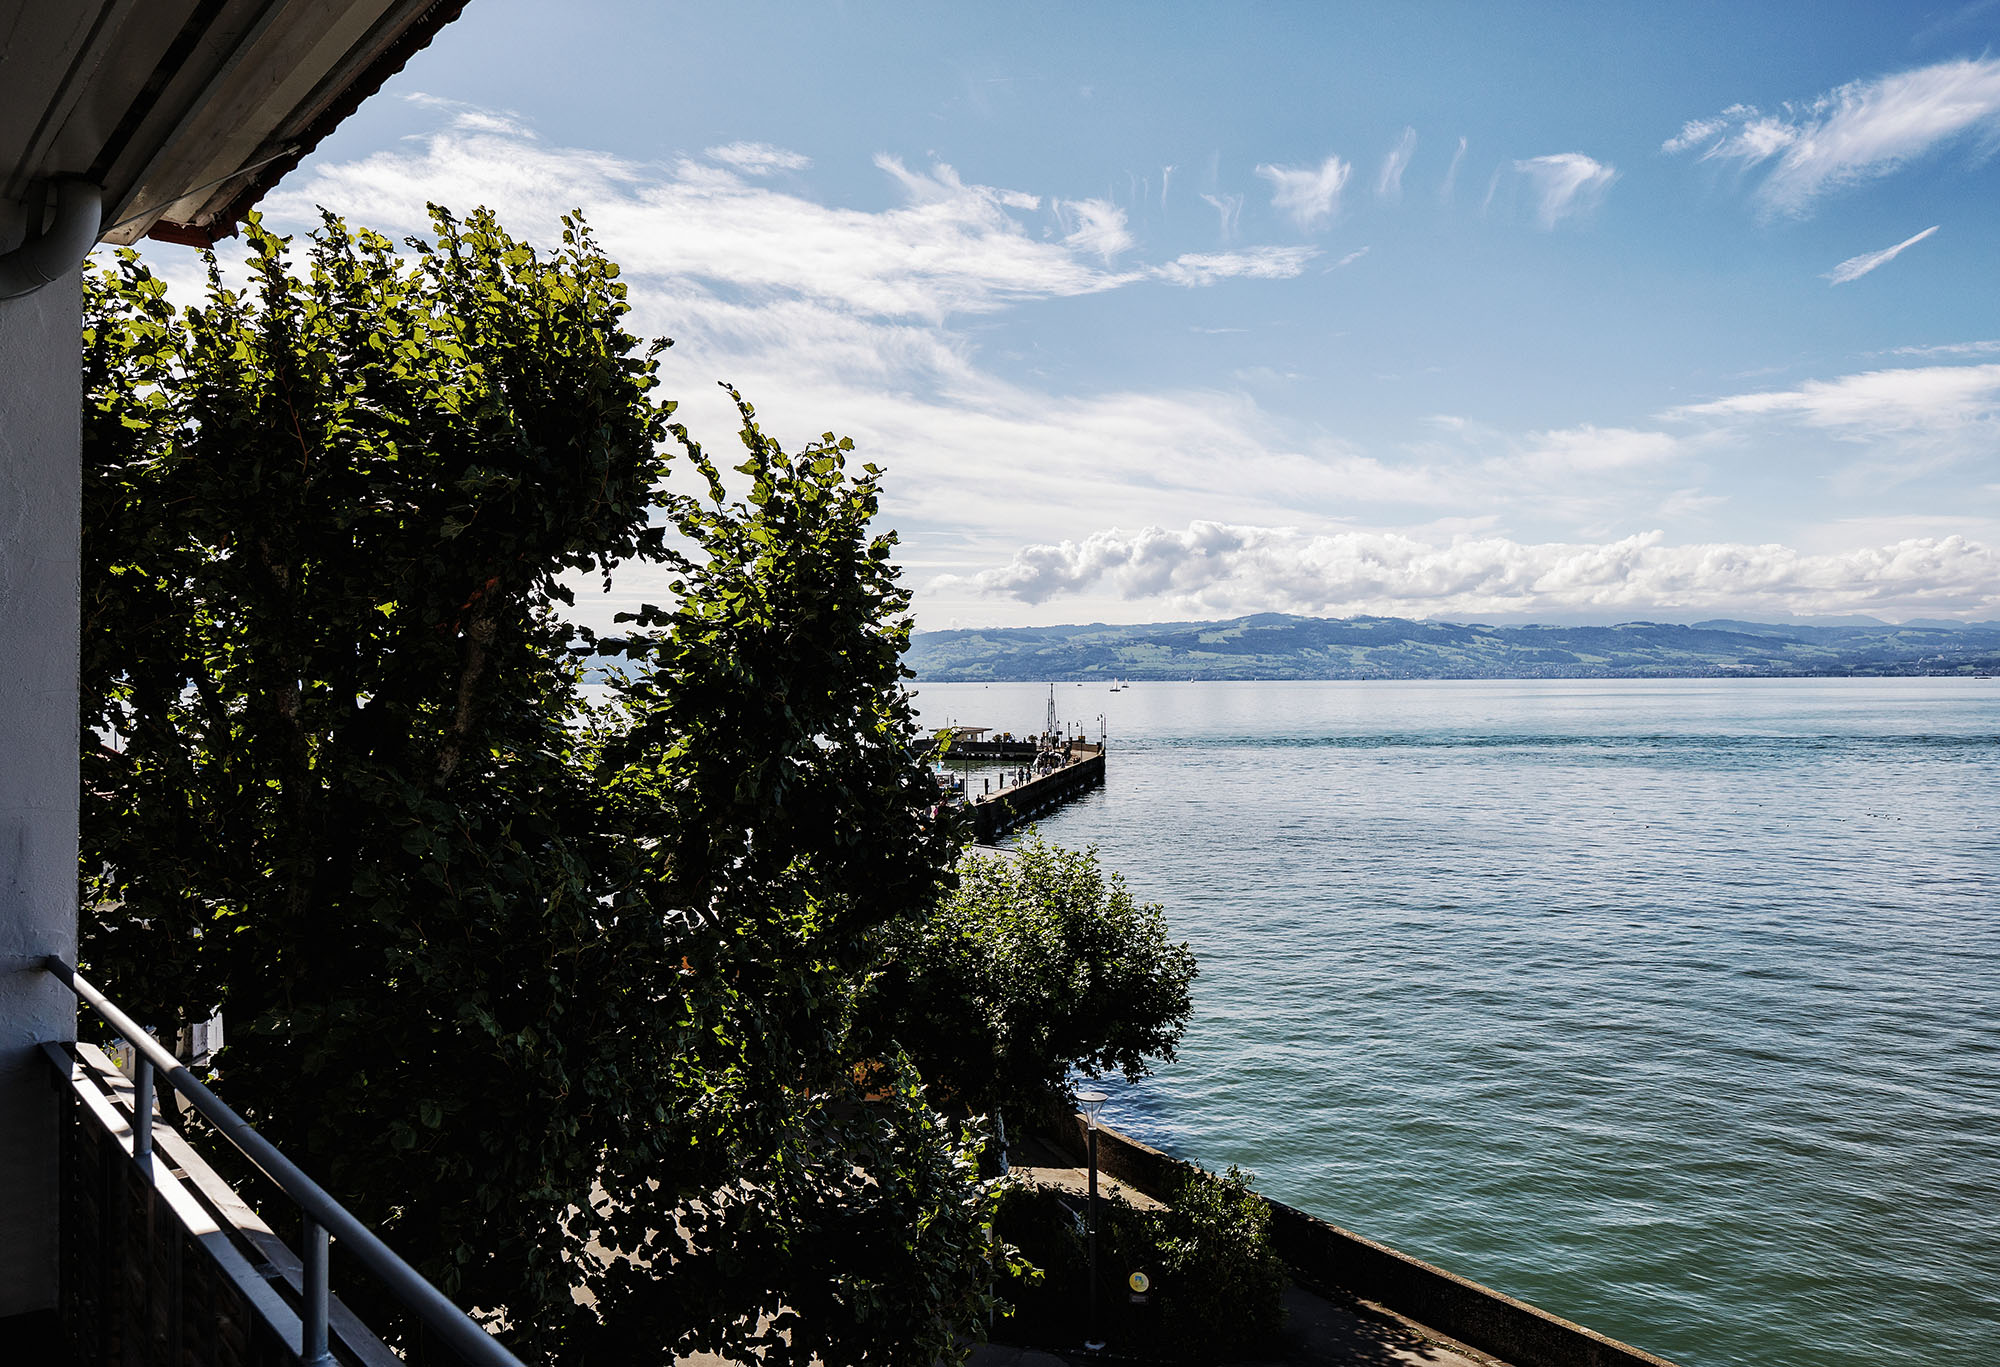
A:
[(995, 815), (1328, 1257), (40, 381)]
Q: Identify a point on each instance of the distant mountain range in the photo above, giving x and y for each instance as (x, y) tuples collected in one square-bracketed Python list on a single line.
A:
[(1276, 646)]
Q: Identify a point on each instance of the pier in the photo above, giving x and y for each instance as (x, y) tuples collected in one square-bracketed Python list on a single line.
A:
[(994, 814)]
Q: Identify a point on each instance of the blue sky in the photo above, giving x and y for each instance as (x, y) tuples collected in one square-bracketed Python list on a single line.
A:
[(1466, 311)]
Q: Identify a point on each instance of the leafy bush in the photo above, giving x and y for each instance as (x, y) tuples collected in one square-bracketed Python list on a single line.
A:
[(1215, 1283), (1220, 1280), (1031, 967)]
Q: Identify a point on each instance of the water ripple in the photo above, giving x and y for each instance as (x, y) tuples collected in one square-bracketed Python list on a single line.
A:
[(1671, 1006)]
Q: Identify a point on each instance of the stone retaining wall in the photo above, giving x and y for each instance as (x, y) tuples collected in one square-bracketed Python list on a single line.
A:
[(1326, 1256)]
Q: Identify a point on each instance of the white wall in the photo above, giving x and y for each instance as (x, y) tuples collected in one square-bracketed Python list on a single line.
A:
[(40, 384)]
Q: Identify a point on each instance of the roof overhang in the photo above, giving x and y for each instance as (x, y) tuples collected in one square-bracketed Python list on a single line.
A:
[(185, 112)]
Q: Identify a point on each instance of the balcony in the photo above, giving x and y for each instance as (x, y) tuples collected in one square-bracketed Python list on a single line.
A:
[(163, 1262)]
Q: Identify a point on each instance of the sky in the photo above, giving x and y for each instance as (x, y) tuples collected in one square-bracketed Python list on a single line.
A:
[(1171, 311)]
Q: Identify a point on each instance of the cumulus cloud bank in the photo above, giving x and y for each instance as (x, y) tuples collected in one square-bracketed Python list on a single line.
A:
[(1857, 132), (1220, 567)]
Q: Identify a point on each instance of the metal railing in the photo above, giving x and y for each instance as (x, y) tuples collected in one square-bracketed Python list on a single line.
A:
[(320, 1215)]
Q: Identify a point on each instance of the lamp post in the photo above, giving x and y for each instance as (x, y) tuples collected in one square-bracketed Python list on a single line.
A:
[(1092, 1103)]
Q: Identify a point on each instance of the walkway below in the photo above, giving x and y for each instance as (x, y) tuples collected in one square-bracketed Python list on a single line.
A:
[(1318, 1332)]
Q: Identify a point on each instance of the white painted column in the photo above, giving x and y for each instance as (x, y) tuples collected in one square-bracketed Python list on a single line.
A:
[(40, 441)]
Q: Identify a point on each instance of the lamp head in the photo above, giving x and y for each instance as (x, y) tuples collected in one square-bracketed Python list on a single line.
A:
[(1092, 1103)]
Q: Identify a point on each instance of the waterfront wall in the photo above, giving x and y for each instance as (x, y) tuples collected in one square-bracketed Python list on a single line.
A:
[(996, 814), (1327, 1257)]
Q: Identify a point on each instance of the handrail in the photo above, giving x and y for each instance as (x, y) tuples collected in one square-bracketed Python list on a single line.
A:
[(323, 1215)]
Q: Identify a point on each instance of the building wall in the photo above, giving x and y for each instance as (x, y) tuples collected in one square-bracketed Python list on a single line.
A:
[(40, 382)]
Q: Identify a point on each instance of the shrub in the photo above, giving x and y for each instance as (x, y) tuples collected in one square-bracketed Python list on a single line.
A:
[(1219, 1281), (1215, 1283)]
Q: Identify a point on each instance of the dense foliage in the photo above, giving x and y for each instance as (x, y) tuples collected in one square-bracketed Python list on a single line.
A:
[(1215, 1285), (558, 995), (1034, 965)]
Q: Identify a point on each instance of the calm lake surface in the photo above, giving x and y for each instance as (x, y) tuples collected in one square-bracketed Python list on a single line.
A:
[(1672, 1007)]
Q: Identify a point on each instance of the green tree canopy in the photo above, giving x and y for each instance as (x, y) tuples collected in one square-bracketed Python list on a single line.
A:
[(561, 995), (1036, 964)]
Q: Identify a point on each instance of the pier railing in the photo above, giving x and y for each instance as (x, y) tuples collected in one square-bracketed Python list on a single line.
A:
[(164, 1263)]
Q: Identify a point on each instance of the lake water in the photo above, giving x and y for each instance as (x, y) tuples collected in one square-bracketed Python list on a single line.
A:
[(1672, 1007)]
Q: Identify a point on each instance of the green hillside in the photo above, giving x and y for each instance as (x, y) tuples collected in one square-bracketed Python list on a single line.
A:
[(1275, 646)]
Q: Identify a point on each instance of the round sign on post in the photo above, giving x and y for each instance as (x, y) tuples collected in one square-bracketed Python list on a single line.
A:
[(1139, 1282)]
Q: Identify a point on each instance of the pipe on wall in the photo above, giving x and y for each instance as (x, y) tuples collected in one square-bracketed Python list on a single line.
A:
[(50, 255)]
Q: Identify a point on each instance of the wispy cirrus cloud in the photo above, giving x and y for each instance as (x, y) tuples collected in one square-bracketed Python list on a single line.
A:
[(1955, 349), (1222, 567), (1309, 196), (1229, 210), (1389, 184), (952, 247), (1257, 263), (1565, 185), (1096, 226), (1877, 403), (758, 158), (1857, 132), (1857, 266), (1448, 186)]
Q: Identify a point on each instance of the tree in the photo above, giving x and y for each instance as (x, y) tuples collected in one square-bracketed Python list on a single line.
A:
[(1033, 966), (558, 995)]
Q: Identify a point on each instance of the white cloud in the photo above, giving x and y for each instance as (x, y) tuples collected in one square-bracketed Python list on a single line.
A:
[(758, 158), (1590, 450), (1696, 132), (1857, 266), (1230, 208), (1309, 196), (1100, 227), (1875, 403), (1350, 258), (1389, 185), (951, 248), (1685, 502), (1857, 132), (472, 118), (1451, 174), (1566, 184), (1259, 263), (1984, 348), (1221, 567)]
